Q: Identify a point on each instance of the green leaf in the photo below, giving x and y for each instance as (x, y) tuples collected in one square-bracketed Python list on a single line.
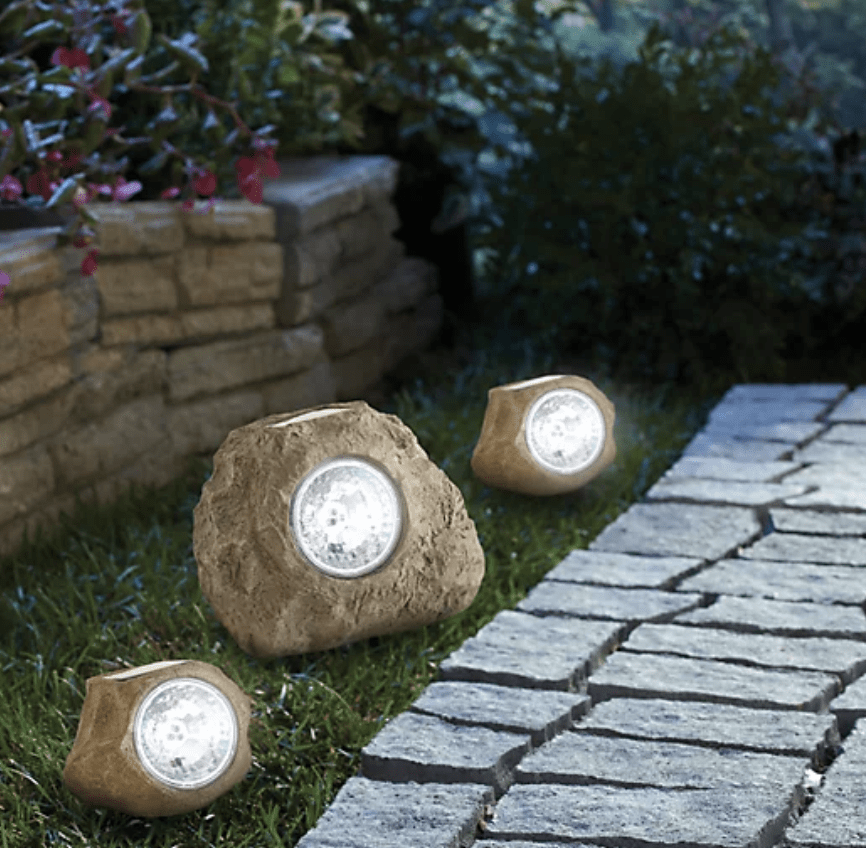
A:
[(186, 55), (45, 30), (64, 192), (140, 31)]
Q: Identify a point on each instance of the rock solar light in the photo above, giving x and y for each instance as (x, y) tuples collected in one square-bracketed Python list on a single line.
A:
[(545, 436), (327, 526), (160, 740)]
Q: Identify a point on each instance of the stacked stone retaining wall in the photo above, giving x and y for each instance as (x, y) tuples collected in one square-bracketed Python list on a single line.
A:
[(194, 324)]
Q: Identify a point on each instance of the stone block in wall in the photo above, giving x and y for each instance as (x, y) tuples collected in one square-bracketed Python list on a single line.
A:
[(232, 220), (296, 306), (33, 327), (358, 371), (351, 325), (142, 228), (309, 258), (201, 426), (130, 286), (25, 479), (156, 467), (312, 192), (37, 422), (413, 331), (188, 325), (29, 259), (359, 234), (313, 387), (108, 378), (80, 307), (408, 284), (360, 274), (212, 368), (230, 273), (33, 382), (101, 447), (40, 325)]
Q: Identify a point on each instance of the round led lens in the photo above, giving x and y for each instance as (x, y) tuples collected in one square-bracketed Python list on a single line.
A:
[(565, 431), (185, 733), (346, 517)]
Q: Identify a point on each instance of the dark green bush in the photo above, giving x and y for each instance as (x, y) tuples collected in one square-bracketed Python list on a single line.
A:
[(661, 224)]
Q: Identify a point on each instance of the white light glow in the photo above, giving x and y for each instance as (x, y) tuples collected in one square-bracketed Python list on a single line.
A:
[(346, 517), (565, 431), (185, 733)]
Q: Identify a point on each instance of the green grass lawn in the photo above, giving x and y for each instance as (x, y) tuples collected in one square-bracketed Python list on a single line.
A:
[(117, 587)]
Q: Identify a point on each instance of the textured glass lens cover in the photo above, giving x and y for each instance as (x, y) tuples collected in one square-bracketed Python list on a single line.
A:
[(346, 517), (565, 431), (185, 733)]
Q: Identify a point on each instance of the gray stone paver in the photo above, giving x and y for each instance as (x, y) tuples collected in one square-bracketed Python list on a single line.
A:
[(850, 706), (785, 618), (606, 602), (612, 569), (791, 432), (629, 675), (789, 520), (743, 450), (715, 725), (537, 712), (796, 547), (722, 468), (787, 581), (831, 453), (675, 529), (723, 491), (546, 652), (854, 434), (852, 408), (757, 392), (575, 757), (709, 818), (735, 414), (843, 657), (369, 813), (837, 818), (612, 714), (419, 747)]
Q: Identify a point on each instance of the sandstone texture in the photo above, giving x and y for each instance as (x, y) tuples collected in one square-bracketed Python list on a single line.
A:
[(502, 458), (103, 769), (262, 588)]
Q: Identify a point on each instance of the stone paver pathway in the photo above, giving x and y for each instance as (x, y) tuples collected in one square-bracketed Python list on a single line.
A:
[(696, 677)]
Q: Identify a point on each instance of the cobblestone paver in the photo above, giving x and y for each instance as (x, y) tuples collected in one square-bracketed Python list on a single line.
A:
[(696, 677)]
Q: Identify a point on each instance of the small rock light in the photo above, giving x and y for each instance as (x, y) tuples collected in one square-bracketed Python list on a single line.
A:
[(329, 525), (545, 436), (159, 740)]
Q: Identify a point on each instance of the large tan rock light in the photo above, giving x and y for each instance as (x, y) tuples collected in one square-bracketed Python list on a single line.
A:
[(545, 436), (329, 525), (160, 740)]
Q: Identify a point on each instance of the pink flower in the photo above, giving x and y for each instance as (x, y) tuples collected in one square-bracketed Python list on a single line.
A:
[(39, 183), (88, 266), (4, 281), (124, 190), (75, 58), (206, 184), (10, 188)]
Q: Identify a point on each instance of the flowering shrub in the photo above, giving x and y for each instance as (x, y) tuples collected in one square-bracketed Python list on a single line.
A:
[(35, 126)]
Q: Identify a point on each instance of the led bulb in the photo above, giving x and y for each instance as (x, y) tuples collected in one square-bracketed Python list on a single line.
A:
[(346, 517), (185, 733), (565, 431)]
